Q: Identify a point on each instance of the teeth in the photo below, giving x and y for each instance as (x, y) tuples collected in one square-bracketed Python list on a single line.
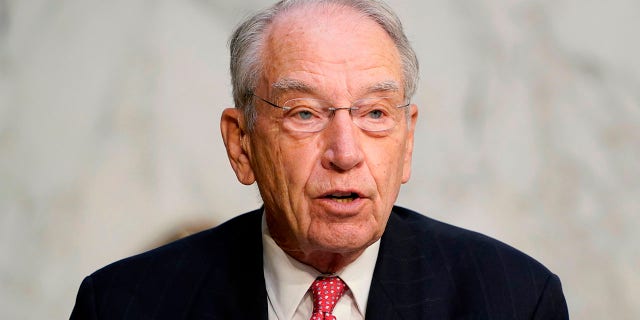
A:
[(341, 195)]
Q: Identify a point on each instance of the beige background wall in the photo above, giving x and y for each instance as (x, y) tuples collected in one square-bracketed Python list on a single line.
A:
[(109, 110)]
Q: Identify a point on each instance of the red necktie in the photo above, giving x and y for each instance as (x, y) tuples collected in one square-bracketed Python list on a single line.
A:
[(326, 292)]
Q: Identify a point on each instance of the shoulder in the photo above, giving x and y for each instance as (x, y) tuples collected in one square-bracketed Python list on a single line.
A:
[(185, 261), (455, 273), (168, 281), (196, 249), (455, 244)]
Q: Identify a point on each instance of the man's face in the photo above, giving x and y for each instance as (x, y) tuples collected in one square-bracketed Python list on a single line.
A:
[(330, 191)]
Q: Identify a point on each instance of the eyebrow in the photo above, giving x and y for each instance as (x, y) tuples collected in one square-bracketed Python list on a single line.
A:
[(384, 86), (289, 84)]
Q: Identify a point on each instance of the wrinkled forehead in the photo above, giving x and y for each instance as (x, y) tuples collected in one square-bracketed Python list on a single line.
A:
[(324, 18), (329, 39)]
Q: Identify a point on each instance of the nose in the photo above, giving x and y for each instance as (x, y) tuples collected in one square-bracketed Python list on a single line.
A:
[(342, 143)]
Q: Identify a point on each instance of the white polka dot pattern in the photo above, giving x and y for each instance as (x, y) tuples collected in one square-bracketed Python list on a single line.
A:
[(326, 293)]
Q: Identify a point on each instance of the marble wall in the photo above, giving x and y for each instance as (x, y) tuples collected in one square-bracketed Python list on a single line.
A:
[(529, 131)]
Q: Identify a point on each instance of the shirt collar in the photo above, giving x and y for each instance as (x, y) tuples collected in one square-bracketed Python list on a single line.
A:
[(288, 280)]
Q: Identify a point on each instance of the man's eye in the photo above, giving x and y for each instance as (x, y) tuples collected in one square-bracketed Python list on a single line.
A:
[(301, 114), (375, 114), (304, 115)]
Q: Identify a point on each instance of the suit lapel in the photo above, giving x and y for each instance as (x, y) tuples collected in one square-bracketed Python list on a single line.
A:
[(409, 276), (381, 303)]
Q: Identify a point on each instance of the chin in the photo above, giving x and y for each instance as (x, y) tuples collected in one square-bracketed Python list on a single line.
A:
[(345, 241)]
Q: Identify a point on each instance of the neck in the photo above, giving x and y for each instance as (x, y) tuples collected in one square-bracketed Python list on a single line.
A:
[(325, 262), (322, 259)]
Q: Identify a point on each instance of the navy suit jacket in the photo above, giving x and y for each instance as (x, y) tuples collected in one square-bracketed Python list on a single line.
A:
[(425, 270)]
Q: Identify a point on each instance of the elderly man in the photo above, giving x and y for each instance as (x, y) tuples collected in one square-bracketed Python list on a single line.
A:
[(324, 126)]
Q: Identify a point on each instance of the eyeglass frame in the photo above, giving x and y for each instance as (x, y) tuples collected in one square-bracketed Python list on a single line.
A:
[(332, 113)]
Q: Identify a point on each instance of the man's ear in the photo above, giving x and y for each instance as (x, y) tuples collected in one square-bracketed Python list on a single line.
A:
[(408, 152), (236, 141)]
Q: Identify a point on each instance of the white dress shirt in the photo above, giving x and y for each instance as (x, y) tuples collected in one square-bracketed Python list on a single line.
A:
[(288, 280)]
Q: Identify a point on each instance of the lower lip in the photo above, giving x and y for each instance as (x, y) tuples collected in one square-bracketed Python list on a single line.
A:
[(342, 208)]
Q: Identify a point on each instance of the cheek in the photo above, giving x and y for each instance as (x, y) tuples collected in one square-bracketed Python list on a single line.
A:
[(267, 162), (267, 168), (386, 162), (282, 163), (299, 160)]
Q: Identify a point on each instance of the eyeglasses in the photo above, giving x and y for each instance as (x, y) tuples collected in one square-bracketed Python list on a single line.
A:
[(313, 115)]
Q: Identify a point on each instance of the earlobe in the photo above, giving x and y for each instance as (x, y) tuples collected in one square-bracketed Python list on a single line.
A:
[(236, 141), (408, 155)]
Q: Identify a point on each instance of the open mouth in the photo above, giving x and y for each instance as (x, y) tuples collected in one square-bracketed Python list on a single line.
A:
[(343, 197)]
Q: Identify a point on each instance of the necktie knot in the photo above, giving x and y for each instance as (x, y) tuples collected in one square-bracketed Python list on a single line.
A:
[(326, 292)]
